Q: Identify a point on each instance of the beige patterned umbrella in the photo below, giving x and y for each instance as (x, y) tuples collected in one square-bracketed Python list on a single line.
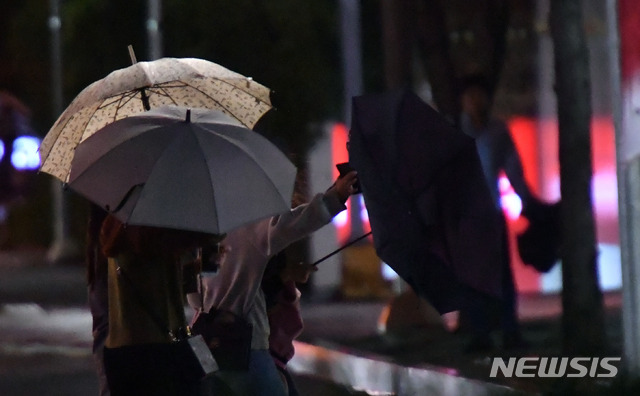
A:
[(189, 82)]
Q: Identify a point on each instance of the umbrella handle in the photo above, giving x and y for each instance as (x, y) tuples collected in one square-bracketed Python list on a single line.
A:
[(342, 248)]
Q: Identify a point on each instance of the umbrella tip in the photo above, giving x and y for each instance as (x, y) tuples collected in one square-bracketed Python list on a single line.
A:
[(132, 54), (188, 116)]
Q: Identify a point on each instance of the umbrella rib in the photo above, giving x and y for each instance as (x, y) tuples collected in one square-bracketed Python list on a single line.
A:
[(186, 84), (229, 112), (54, 140), (119, 101), (73, 116), (236, 145), (162, 92), (238, 88), (129, 96), (98, 158), (116, 99), (102, 106), (213, 195), (161, 87), (242, 90)]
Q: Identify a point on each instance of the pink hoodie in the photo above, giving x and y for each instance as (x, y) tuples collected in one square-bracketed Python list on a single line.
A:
[(285, 323)]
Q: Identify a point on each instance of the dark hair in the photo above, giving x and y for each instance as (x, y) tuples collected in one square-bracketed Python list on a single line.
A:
[(271, 281), (300, 189), (475, 81), (94, 258), (116, 237)]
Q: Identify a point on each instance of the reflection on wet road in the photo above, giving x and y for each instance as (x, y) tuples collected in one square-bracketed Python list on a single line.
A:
[(27, 328)]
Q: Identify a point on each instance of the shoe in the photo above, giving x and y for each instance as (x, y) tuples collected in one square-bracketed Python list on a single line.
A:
[(514, 341), (479, 344)]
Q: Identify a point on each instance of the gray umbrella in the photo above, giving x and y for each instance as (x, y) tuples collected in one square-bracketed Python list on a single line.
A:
[(172, 167)]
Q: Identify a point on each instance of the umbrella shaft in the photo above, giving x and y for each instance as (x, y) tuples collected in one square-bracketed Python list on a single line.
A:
[(145, 99), (342, 248)]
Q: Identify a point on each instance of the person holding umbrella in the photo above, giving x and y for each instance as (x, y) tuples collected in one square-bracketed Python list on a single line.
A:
[(132, 168), (146, 309), (236, 285)]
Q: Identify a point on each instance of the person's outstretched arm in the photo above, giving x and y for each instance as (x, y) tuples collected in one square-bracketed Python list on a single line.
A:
[(304, 219)]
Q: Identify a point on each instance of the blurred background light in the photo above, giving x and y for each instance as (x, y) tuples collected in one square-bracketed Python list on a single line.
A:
[(25, 153)]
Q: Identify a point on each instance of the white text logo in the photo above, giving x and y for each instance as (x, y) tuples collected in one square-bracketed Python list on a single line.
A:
[(555, 367)]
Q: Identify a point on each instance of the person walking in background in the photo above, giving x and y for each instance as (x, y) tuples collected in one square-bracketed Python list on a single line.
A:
[(235, 286), (498, 154)]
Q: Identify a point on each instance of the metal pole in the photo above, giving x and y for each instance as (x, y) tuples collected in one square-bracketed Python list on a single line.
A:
[(628, 171), (351, 53), (154, 34), (352, 80), (63, 247), (546, 100)]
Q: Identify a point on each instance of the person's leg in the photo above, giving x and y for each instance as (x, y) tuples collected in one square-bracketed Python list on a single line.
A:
[(116, 373), (145, 370), (98, 357), (511, 335), (261, 379), (510, 323), (477, 315), (292, 390)]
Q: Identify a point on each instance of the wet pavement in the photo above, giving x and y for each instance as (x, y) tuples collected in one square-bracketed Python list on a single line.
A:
[(45, 332), (45, 338), (434, 358)]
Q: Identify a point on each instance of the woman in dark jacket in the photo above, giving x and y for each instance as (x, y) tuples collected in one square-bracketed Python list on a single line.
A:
[(146, 309)]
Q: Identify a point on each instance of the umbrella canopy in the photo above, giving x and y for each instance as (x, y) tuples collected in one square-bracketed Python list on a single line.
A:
[(431, 212), (172, 167), (188, 82)]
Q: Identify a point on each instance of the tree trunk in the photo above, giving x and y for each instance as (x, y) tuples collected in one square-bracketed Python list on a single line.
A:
[(433, 44), (397, 42), (583, 317)]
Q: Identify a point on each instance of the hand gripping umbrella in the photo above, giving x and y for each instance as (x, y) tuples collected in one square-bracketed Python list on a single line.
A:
[(196, 170), (431, 213), (188, 82)]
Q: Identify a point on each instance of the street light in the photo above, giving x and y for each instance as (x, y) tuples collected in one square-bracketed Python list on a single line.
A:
[(63, 247)]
